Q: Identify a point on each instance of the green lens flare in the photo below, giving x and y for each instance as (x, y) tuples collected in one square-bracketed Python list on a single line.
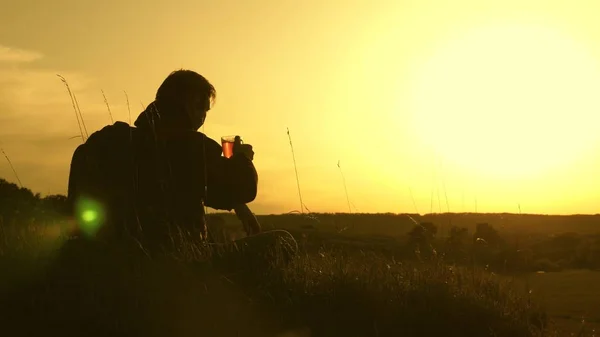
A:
[(90, 216)]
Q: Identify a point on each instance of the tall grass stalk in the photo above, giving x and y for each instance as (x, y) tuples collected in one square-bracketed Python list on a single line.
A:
[(437, 187), (81, 115), (433, 181), (345, 188), (12, 167), (446, 197), (128, 106), (444, 187), (431, 201), (437, 190), (112, 121), (413, 200), (78, 116), (296, 170)]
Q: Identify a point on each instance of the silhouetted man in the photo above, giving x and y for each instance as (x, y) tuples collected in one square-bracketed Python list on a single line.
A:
[(153, 179)]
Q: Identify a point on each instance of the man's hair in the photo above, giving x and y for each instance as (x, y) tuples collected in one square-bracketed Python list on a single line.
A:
[(183, 84)]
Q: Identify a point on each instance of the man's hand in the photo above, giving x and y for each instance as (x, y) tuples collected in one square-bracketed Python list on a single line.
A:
[(243, 149), (248, 219)]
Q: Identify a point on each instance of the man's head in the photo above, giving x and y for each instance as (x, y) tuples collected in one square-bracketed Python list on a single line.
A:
[(185, 97)]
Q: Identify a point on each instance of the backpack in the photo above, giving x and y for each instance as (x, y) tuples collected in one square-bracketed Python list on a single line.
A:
[(121, 183), (101, 181)]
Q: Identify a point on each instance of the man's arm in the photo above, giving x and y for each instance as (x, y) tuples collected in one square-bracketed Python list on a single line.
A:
[(230, 181)]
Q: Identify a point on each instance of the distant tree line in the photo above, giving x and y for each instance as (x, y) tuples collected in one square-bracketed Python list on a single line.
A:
[(487, 248), (572, 245), (19, 205)]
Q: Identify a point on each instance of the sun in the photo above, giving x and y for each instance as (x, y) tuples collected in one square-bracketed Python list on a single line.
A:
[(508, 101)]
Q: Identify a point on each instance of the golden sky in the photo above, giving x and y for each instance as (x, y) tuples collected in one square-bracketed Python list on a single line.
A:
[(488, 104)]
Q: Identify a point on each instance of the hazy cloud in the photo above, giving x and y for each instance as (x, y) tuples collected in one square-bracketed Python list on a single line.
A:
[(37, 120), (15, 55)]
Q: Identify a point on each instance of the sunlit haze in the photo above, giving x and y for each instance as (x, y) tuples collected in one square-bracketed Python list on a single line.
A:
[(428, 106)]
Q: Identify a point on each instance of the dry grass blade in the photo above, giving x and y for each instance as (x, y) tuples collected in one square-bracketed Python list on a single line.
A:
[(296, 170), (108, 107), (81, 115), (128, 106), (12, 167), (77, 113), (412, 197), (345, 188)]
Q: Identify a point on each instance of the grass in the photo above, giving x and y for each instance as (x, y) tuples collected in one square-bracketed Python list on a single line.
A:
[(372, 296), (65, 288)]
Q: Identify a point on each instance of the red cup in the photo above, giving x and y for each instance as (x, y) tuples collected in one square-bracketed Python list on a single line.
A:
[(227, 145)]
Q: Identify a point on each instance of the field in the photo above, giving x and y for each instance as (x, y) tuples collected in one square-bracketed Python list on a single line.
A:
[(569, 296), (354, 275)]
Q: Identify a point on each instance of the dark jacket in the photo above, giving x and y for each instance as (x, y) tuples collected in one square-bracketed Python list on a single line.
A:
[(154, 174)]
